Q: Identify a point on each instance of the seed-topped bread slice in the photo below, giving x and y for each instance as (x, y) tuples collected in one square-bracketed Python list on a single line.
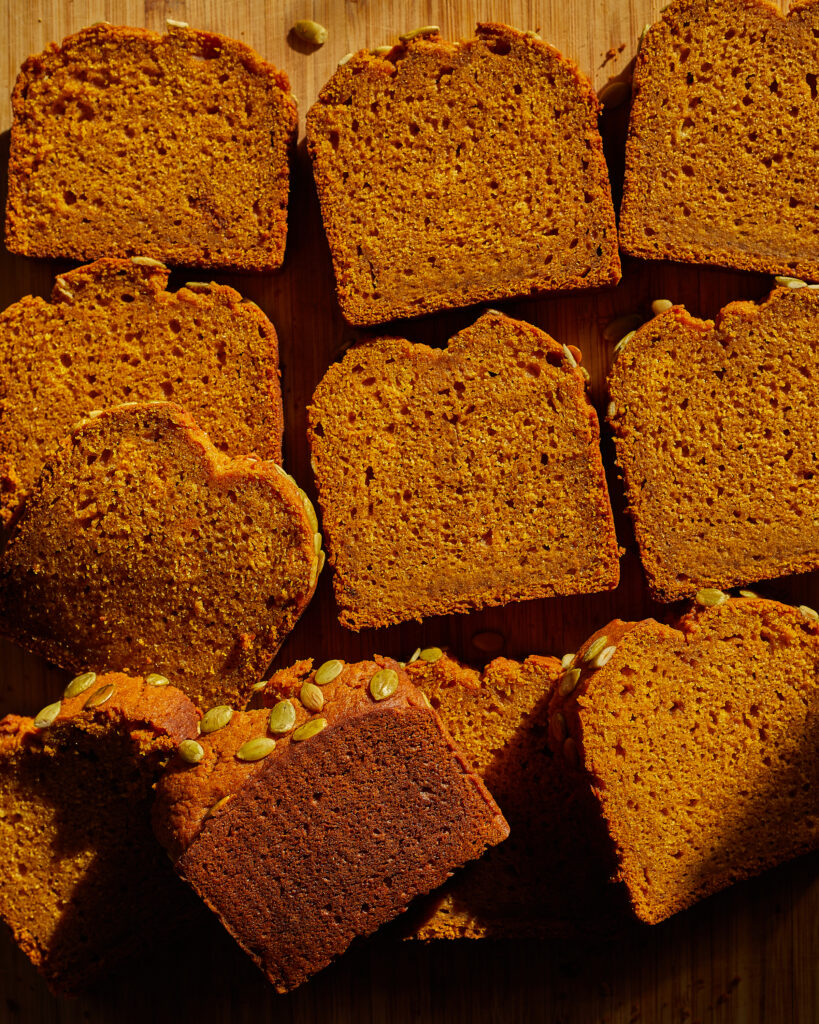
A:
[(455, 173), (112, 334), (456, 479), (85, 884), (143, 548), (551, 876), (716, 427), (314, 822), (128, 143), (699, 742), (720, 160)]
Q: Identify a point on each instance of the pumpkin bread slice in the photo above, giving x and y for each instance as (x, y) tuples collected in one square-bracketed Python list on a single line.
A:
[(720, 160), (112, 334), (550, 879), (129, 143), (456, 173), (699, 742), (85, 884), (716, 428), (305, 826), (142, 548), (456, 479)]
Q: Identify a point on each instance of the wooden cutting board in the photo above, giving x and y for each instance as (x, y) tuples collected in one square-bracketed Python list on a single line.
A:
[(748, 955)]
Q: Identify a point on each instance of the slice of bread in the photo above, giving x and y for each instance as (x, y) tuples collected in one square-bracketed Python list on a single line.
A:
[(699, 741), (112, 334), (716, 427), (457, 479), (550, 879), (455, 173), (128, 143), (720, 161), (314, 823), (142, 548), (85, 884)]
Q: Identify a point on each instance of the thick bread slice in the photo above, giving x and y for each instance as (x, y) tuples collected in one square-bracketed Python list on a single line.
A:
[(455, 173), (305, 827), (716, 427), (721, 161), (142, 548), (112, 334), (699, 741), (85, 885), (462, 478), (128, 143)]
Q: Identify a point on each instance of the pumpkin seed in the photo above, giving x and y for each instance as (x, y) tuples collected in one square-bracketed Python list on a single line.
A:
[(329, 671), (256, 749), (282, 717), (709, 597), (311, 512), (155, 679), (345, 59), (611, 411), (217, 806), (604, 657), (310, 728), (416, 654), (431, 654), (311, 697), (311, 32), (621, 344), (215, 719), (99, 697), (316, 543), (789, 282), (384, 683), (258, 687), (46, 717), (569, 357), (595, 648), (748, 593), (661, 306), (191, 752), (566, 661), (568, 682), (809, 613), (147, 261), (79, 684), (426, 30), (381, 51)]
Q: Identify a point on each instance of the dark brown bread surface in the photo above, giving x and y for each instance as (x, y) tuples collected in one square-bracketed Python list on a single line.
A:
[(716, 428), (112, 334), (551, 877), (456, 479), (700, 743), (128, 143), (720, 161), (84, 883), (455, 173), (142, 548), (329, 836)]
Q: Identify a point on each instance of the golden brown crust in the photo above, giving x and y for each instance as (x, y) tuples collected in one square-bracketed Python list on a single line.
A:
[(457, 479), (142, 547), (698, 740), (457, 173), (716, 431), (720, 165), (153, 134), (112, 333)]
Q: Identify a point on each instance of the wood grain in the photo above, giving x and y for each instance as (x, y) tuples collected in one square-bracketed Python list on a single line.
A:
[(748, 955)]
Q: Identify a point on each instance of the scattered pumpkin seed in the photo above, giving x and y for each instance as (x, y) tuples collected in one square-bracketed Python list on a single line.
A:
[(258, 687), (329, 671), (345, 59), (256, 749), (99, 697), (310, 728), (621, 344), (568, 682), (559, 727), (217, 806), (431, 654), (79, 684), (709, 597), (426, 30), (489, 642), (198, 286), (566, 661), (789, 282), (171, 23), (215, 719), (382, 51), (311, 697), (46, 717), (569, 357), (570, 752), (604, 657), (613, 94), (661, 306), (282, 717), (748, 593), (621, 325), (809, 613), (311, 32), (384, 683), (595, 648), (191, 752), (147, 261), (416, 654), (155, 679)]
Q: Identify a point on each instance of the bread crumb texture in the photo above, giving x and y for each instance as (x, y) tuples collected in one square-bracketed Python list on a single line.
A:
[(112, 334), (453, 173), (716, 428), (86, 883), (337, 828), (550, 879), (460, 478), (720, 161), (142, 548), (699, 741), (125, 142)]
